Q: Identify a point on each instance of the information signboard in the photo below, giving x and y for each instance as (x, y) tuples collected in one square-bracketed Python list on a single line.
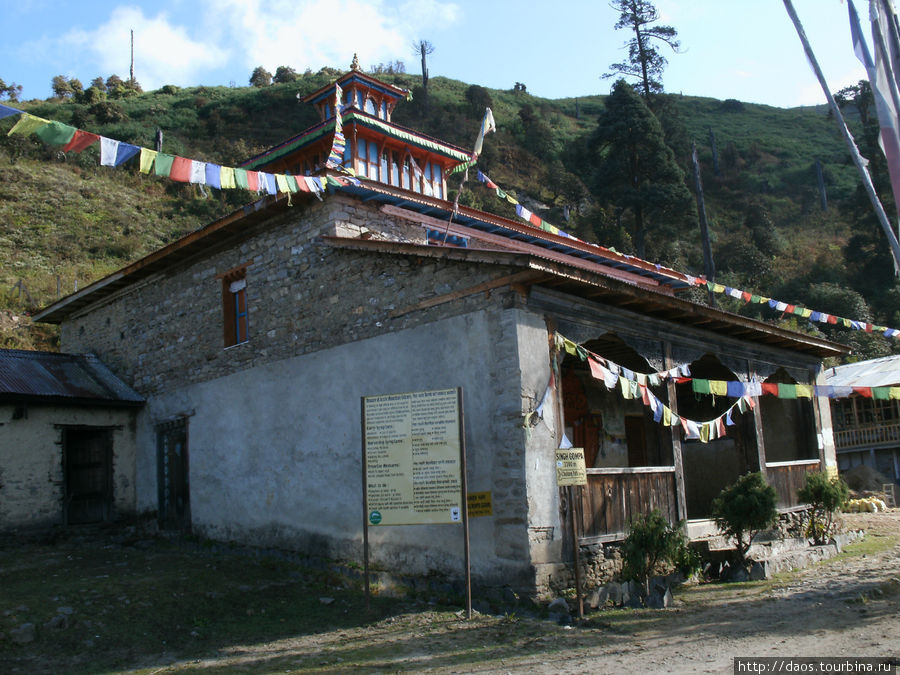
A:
[(570, 469), (412, 457)]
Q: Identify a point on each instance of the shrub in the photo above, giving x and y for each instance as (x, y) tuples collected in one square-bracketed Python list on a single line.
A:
[(825, 496), (743, 509), (652, 542)]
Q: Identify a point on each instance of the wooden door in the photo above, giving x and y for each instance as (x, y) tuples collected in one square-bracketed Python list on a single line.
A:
[(172, 475), (636, 438), (87, 458)]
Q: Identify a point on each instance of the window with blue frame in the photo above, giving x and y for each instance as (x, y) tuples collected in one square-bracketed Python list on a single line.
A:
[(373, 160)]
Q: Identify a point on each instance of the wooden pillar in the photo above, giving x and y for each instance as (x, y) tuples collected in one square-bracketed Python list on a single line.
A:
[(680, 490), (758, 427)]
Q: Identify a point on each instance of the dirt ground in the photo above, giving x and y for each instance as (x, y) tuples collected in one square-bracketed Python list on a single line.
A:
[(848, 606)]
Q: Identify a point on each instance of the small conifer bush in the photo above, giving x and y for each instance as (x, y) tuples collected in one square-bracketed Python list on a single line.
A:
[(743, 509), (825, 496)]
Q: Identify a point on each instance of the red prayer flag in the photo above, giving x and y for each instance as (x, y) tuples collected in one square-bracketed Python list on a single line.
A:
[(770, 388), (832, 318), (597, 370), (790, 309), (863, 391), (80, 141), (253, 181), (181, 170), (745, 296)]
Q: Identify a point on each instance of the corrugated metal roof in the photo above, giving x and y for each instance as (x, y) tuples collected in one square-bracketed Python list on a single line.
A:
[(53, 378), (883, 372)]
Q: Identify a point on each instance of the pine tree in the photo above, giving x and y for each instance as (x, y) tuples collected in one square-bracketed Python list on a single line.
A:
[(637, 173), (644, 60)]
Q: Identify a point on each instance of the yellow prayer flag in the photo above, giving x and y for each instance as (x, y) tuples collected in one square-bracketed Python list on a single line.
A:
[(667, 416), (718, 387), (282, 182), (28, 124), (804, 391), (704, 432), (570, 346), (147, 157), (895, 392), (226, 177), (806, 313)]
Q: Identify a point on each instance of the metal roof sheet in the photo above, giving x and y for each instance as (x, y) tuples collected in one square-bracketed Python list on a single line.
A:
[(53, 377), (883, 372)]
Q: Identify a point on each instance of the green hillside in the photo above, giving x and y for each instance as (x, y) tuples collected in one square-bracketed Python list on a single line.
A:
[(66, 220)]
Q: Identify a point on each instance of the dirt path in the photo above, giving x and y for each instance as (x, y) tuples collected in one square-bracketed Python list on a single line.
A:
[(154, 606), (848, 606)]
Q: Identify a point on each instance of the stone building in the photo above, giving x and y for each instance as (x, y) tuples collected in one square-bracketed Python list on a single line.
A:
[(67, 441), (254, 338)]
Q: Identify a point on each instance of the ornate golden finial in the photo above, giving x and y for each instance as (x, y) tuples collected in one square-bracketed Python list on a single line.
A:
[(355, 64)]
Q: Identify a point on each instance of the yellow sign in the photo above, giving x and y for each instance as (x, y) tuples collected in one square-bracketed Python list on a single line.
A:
[(570, 469), (480, 504), (412, 455)]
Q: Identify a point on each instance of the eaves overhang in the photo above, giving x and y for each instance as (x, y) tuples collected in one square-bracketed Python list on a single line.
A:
[(598, 287)]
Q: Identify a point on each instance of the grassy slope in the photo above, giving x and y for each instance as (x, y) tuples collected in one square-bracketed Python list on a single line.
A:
[(67, 217)]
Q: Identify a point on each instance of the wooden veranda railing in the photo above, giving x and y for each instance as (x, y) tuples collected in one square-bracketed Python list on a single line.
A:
[(788, 477), (883, 434), (612, 497)]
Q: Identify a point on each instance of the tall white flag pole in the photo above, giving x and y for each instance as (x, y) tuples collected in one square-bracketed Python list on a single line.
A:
[(858, 159)]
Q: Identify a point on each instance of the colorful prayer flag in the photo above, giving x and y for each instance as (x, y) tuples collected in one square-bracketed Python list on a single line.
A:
[(147, 157), (80, 141), (487, 126), (55, 133)]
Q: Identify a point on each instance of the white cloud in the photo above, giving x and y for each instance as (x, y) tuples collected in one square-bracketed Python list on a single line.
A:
[(311, 34), (164, 53)]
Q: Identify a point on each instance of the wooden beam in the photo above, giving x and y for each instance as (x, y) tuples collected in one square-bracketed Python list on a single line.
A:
[(517, 281)]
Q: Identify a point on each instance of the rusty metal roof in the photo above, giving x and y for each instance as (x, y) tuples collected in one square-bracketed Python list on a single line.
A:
[(49, 377), (883, 372)]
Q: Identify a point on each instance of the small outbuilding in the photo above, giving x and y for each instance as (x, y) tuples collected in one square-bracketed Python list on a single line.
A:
[(67, 440)]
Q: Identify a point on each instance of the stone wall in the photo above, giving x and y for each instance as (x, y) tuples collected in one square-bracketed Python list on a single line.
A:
[(32, 482), (273, 424), (302, 295)]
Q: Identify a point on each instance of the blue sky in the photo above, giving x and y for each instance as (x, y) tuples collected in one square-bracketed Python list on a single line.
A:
[(743, 49)]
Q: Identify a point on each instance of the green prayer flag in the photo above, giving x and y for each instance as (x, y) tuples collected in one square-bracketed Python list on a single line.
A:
[(55, 133), (881, 393), (163, 164), (787, 390), (240, 178), (700, 386)]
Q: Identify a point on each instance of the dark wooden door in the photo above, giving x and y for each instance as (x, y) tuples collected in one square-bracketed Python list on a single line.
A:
[(87, 457), (172, 475), (636, 438)]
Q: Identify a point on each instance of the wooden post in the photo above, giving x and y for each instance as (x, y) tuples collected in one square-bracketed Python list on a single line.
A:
[(820, 181), (578, 594), (362, 418), (680, 489), (708, 268), (758, 428), (465, 502), (851, 144), (715, 152)]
